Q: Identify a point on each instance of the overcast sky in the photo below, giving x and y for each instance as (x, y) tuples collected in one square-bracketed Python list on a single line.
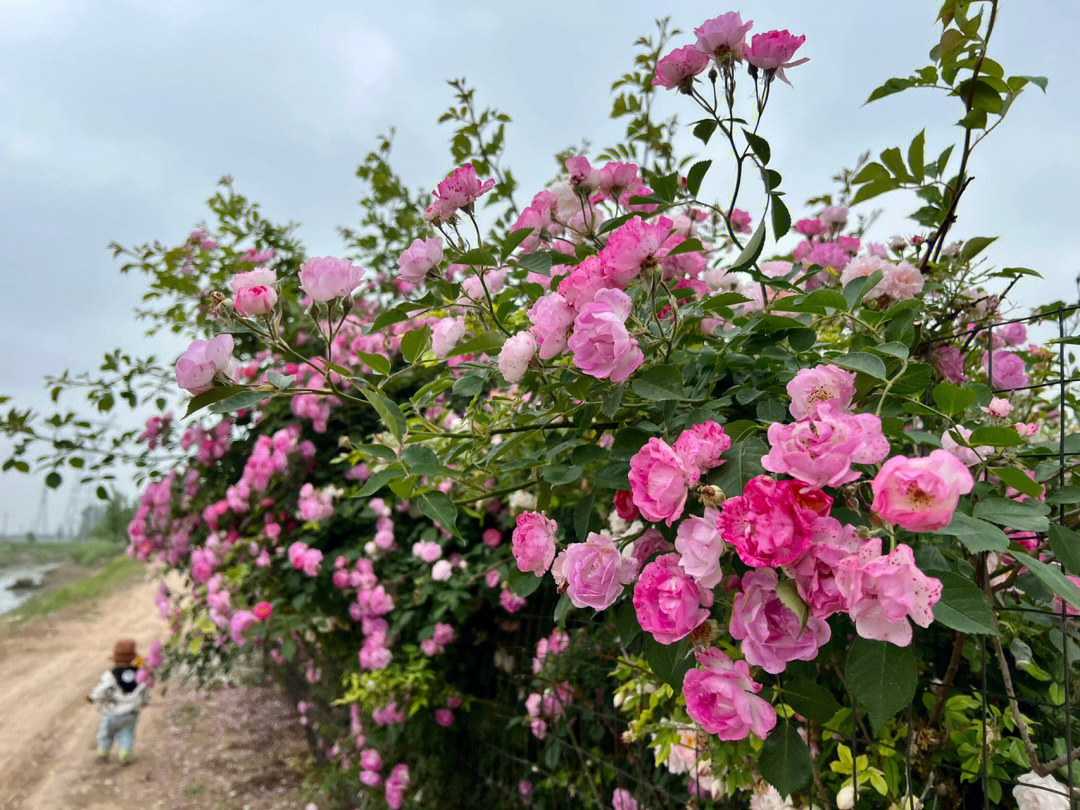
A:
[(117, 118)]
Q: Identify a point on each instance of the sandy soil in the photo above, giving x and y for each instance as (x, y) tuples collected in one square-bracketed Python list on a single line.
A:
[(233, 749)]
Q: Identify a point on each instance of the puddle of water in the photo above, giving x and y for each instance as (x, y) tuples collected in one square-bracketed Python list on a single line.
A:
[(11, 599)]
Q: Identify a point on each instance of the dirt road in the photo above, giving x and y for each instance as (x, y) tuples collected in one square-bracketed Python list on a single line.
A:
[(228, 749)]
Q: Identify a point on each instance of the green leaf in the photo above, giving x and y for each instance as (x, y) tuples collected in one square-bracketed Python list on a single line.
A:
[(781, 217), (669, 662), (377, 362), (413, 342), (750, 253), (704, 130), (438, 506), (561, 473), (1014, 515), (562, 607), (963, 606), (915, 156), (953, 399), (102, 494), (995, 436), (420, 460), (521, 582), (279, 380), (1067, 494), (1052, 577), (742, 462), (53, 480), (811, 700), (789, 598), (891, 86), (659, 383), (696, 175), (1018, 480), (976, 535), (388, 411), (477, 257), (200, 401), (882, 678), (974, 246), (1065, 543), (245, 399), (485, 343), (512, 240), (539, 263), (626, 623), (784, 761), (856, 289), (759, 145), (380, 479), (686, 246), (866, 363)]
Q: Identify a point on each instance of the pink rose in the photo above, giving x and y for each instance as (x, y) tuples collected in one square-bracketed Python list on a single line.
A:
[(810, 227), (651, 542), (446, 334), (583, 282), (253, 292), (314, 504), (601, 345), (515, 356), (771, 523), (882, 592), (969, 456), (422, 256), (815, 571), (263, 611), (444, 717), (622, 799), (678, 68), (668, 602), (632, 249), (920, 494), (659, 481), (1014, 334), (203, 360), (722, 698), (551, 317), (771, 633), (903, 281), (702, 445), (370, 760), (723, 37), (772, 51), (812, 386), (700, 544), (327, 278), (462, 187), (820, 450), (582, 173), (863, 266), (741, 223), (949, 361), (534, 542), (616, 177), (239, 624), (1008, 370), (998, 407), (396, 784), (594, 572)]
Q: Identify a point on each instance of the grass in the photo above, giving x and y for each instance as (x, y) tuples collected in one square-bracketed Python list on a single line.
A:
[(81, 552), (96, 584)]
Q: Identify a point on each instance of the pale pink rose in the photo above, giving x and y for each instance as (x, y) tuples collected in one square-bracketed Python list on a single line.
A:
[(601, 345), (461, 188), (834, 216), (515, 356), (551, 318), (594, 572), (582, 173), (723, 37), (422, 256), (949, 361), (239, 624), (442, 571), (883, 592), (616, 177), (315, 504), (920, 494), (700, 544), (632, 248), (815, 571), (772, 51), (427, 550), (998, 407), (812, 386), (253, 291), (702, 445), (669, 603), (902, 282), (660, 481), (443, 634), (651, 542), (1014, 334), (678, 68), (722, 698), (820, 450), (771, 523), (204, 360), (862, 266), (446, 334), (970, 456), (741, 223), (622, 799), (771, 633), (1008, 370), (327, 278), (534, 542), (1026, 429)]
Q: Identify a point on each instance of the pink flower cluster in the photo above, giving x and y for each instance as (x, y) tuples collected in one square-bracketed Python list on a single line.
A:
[(458, 191), (306, 559), (771, 523)]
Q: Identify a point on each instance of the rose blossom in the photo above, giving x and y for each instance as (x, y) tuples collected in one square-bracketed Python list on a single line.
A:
[(903, 281), (551, 317), (723, 37), (601, 345), (534, 542), (446, 334), (460, 189), (622, 799), (625, 506), (820, 450), (582, 173), (969, 456), (327, 278), (701, 446), (668, 602), (770, 523), (1008, 370), (699, 542), (515, 356), (633, 248), (815, 571), (772, 51), (203, 360), (920, 494), (998, 407), (263, 611), (1035, 792), (882, 592), (722, 698), (771, 632), (680, 67), (253, 291), (422, 255), (594, 572), (582, 283), (659, 481), (396, 784), (812, 386), (949, 361)]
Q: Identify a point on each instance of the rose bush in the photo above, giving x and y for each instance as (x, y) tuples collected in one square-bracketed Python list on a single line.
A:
[(615, 499)]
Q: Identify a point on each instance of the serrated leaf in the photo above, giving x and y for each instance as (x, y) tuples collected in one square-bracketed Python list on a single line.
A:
[(882, 678), (438, 506), (377, 362), (1051, 577), (1018, 480), (742, 462), (237, 402), (523, 583), (1065, 543), (379, 479), (485, 343), (995, 436), (759, 145), (952, 399), (1014, 515), (388, 411), (696, 175), (784, 761), (413, 342), (963, 606), (659, 383), (811, 700), (751, 251)]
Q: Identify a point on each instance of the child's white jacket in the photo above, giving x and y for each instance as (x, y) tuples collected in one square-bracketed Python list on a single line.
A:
[(119, 692)]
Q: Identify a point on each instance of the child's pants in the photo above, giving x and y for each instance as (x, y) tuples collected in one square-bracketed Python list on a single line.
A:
[(118, 727)]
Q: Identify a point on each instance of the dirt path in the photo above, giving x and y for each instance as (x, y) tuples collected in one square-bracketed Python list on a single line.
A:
[(227, 749)]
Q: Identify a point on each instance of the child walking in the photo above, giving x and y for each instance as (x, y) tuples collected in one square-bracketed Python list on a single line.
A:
[(119, 697)]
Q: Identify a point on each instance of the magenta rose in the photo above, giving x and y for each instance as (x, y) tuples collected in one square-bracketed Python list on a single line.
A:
[(722, 698), (534, 542), (668, 602), (771, 523), (633, 248), (659, 481), (920, 494), (771, 633), (460, 189), (702, 445), (594, 572), (772, 51)]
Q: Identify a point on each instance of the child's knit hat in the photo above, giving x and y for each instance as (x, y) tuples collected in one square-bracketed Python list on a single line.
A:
[(124, 652)]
